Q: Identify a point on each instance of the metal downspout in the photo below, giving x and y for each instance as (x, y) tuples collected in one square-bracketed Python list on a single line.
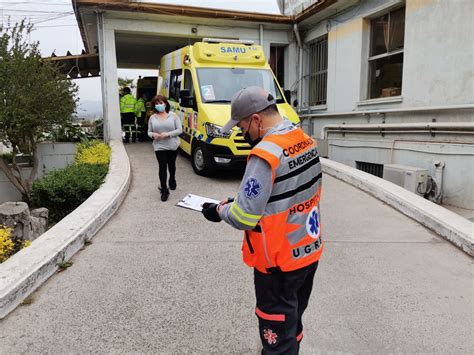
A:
[(439, 167), (300, 63)]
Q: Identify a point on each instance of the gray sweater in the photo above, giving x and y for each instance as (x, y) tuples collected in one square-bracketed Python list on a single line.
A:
[(171, 125)]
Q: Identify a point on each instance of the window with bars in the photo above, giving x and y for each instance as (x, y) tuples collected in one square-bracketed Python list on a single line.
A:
[(277, 63), (386, 54), (318, 71)]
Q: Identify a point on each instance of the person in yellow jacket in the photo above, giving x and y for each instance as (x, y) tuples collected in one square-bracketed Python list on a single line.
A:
[(127, 114), (278, 208), (140, 114)]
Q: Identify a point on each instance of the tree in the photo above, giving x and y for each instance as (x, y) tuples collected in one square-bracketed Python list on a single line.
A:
[(35, 98), (125, 82)]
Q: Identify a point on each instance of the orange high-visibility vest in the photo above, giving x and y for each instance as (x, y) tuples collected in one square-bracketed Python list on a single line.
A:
[(288, 236)]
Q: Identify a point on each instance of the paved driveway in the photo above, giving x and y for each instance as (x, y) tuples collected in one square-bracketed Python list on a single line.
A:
[(160, 279)]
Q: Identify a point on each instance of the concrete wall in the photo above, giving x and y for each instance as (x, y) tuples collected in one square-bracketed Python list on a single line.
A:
[(458, 189), (438, 63), (51, 156), (4, 149), (438, 56), (54, 156), (8, 192), (109, 80), (437, 71)]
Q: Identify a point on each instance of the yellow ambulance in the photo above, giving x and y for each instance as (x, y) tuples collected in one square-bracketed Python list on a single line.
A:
[(199, 81)]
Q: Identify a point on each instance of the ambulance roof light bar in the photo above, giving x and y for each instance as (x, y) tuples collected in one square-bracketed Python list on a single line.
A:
[(222, 40)]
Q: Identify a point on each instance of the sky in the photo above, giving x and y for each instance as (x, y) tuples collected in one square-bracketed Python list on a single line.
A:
[(57, 31)]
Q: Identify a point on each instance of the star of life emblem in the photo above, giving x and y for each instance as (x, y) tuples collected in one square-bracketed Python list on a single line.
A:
[(312, 223), (269, 336), (252, 187)]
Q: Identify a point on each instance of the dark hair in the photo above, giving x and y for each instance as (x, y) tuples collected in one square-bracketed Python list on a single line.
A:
[(126, 90), (270, 110), (160, 98)]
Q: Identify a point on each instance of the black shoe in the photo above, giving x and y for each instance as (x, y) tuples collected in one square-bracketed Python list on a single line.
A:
[(172, 184), (164, 194)]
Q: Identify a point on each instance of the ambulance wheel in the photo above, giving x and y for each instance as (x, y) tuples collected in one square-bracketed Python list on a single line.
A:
[(201, 160)]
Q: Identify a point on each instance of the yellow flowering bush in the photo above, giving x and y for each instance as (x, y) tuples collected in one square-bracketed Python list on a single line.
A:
[(6, 243), (94, 152), (9, 246)]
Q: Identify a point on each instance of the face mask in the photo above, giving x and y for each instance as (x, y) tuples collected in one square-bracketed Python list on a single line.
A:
[(160, 107), (249, 140)]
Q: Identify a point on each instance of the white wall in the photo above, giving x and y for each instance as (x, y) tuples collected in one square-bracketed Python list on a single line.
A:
[(109, 80), (458, 189), (438, 54), (437, 71), (438, 63), (51, 156)]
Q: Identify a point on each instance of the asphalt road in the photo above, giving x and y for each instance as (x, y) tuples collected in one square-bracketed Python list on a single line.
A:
[(161, 279)]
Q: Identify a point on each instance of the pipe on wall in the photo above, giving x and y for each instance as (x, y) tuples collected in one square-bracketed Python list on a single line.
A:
[(439, 168), (450, 128), (396, 110), (300, 63)]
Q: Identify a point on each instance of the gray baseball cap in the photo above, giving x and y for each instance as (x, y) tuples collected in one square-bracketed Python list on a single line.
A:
[(245, 103)]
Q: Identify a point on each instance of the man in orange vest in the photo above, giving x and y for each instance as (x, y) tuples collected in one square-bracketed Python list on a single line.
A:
[(278, 208)]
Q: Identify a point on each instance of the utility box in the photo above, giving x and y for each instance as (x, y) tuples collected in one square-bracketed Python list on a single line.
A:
[(409, 177)]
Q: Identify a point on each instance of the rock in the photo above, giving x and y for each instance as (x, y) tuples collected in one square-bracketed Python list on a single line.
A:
[(40, 212), (24, 225), (16, 216), (39, 222)]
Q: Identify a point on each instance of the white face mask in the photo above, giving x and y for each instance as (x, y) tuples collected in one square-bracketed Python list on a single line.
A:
[(160, 107)]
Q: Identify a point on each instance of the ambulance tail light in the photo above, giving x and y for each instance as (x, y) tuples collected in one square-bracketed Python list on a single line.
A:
[(214, 131)]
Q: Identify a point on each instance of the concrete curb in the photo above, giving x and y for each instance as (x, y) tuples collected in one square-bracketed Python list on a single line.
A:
[(25, 271), (452, 227)]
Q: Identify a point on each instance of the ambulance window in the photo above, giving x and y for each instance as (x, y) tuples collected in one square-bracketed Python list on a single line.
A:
[(188, 82), (175, 84), (220, 84)]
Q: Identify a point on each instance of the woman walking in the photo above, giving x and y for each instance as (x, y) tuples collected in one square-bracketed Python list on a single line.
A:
[(164, 127)]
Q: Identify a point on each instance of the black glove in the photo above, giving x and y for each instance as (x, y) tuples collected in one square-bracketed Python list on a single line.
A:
[(209, 210)]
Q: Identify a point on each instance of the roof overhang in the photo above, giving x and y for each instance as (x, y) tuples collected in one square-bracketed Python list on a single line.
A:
[(85, 65), (85, 11)]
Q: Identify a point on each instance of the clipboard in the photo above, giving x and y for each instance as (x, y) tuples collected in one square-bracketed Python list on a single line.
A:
[(194, 202)]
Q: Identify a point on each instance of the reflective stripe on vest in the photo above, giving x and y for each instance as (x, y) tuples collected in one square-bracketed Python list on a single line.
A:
[(288, 235)]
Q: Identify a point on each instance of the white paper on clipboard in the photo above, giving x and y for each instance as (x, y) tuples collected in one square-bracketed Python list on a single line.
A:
[(194, 202)]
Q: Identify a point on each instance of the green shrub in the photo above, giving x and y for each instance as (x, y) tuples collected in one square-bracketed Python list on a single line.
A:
[(7, 157), (63, 190)]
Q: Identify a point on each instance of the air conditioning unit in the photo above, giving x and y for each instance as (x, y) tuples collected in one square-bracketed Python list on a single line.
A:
[(411, 178)]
